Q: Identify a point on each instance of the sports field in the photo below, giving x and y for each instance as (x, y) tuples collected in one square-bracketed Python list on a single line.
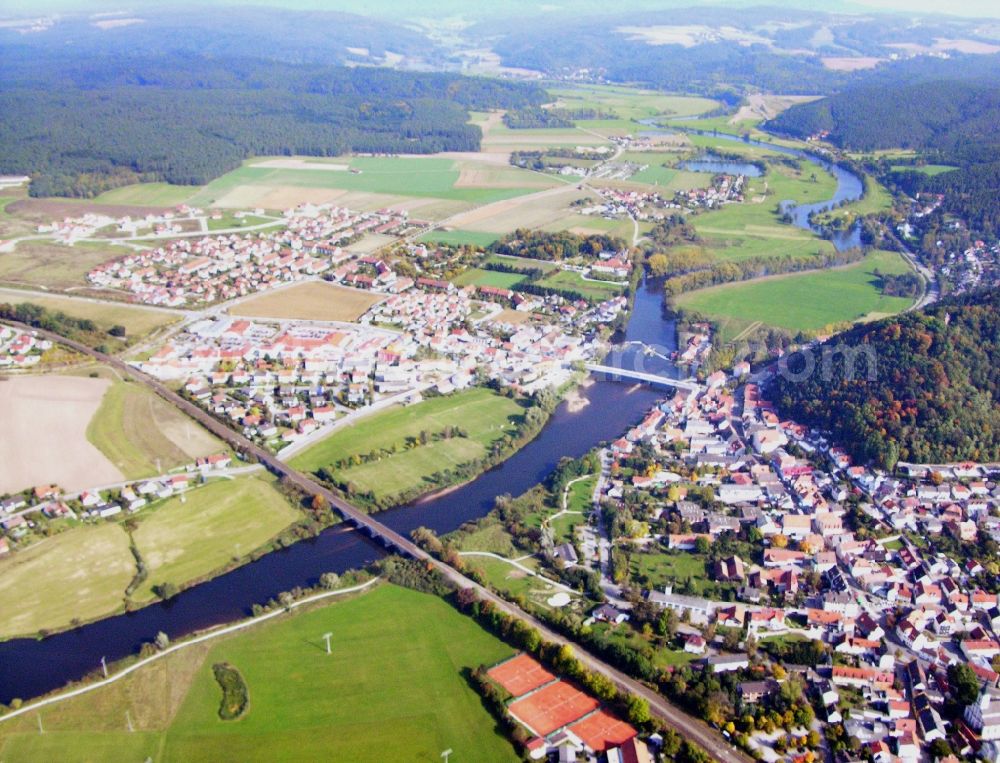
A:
[(804, 301), (189, 538), (459, 237), (313, 301), (142, 435), (392, 689), (80, 573), (481, 413), (368, 182)]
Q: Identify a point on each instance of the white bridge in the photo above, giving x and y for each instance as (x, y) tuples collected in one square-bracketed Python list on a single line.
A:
[(624, 373)]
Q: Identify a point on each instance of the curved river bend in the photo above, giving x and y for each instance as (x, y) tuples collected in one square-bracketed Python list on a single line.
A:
[(30, 667)]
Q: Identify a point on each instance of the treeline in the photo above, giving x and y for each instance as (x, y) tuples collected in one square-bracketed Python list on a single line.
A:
[(922, 387), (80, 329), (522, 119), (555, 246), (187, 122)]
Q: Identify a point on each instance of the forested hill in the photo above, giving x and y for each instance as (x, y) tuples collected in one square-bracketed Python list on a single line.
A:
[(952, 122), (935, 396), (101, 123)]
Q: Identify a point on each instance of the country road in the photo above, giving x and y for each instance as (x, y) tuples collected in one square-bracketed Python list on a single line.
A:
[(683, 723)]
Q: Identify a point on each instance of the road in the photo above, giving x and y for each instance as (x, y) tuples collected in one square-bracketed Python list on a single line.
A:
[(689, 727)]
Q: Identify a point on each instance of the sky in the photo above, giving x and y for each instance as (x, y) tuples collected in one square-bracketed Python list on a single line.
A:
[(418, 8)]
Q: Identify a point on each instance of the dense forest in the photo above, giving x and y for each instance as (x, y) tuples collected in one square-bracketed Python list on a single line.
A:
[(948, 121), (120, 121), (934, 391), (555, 246)]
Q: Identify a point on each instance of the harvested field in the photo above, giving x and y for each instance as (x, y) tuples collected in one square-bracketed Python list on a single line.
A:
[(137, 320), (313, 301), (45, 433), (52, 265), (602, 730), (551, 708), (302, 164), (851, 63), (50, 209), (277, 197), (520, 675)]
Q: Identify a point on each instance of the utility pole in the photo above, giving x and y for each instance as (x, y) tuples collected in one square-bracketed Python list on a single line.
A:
[(326, 636), (104, 666)]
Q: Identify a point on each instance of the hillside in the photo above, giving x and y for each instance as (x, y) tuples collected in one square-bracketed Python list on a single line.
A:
[(935, 392), (105, 123)]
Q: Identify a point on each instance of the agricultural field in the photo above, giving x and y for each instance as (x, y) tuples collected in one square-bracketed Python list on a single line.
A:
[(631, 103), (46, 415), (570, 280), (138, 321), (313, 301), (144, 436), (802, 301), (189, 538), (149, 194), (535, 211), (481, 413), (480, 277), (368, 182), (928, 169), (82, 572), (303, 703)]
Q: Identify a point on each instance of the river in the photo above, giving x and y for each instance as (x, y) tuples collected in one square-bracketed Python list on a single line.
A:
[(30, 667)]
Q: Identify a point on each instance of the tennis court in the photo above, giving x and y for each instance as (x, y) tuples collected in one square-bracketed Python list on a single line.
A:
[(520, 674), (552, 707), (602, 730)]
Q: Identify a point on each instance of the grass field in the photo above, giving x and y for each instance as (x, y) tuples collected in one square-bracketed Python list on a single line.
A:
[(80, 573), (55, 266), (144, 436), (460, 237), (149, 194), (484, 415), (927, 169), (631, 103), (274, 187), (138, 321), (188, 539), (876, 199), (803, 301), (392, 689), (313, 301), (570, 280), (480, 277)]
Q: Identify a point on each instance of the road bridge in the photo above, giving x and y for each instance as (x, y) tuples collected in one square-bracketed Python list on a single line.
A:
[(641, 376)]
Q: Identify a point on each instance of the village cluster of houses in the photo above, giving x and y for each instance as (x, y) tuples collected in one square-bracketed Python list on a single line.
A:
[(207, 269), (894, 611), (20, 349), (94, 504)]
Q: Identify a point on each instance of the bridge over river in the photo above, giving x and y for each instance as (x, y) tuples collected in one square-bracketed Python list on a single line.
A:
[(613, 373)]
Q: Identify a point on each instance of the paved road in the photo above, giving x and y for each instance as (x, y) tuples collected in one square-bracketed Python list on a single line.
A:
[(683, 723)]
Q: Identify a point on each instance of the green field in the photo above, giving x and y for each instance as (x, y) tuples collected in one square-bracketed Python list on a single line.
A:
[(876, 199), (144, 436), (479, 277), (927, 169), (149, 195), (802, 301), (631, 103), (189, 538), (522, 263), (570, 280), (430, 177), (82, 573), (460, 238), (392, 689), (484, 415)]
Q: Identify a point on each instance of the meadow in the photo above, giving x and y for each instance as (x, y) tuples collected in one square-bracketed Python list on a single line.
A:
[(144, 436), (802, 301), (481, 413), (149, 194), (54, 266), (459, 238), (138, 321), (569, 280), (928, 169), (480, 277), (304, 703)]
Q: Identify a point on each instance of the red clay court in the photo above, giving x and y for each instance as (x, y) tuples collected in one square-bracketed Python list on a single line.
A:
[(551, 708), (520, 674), (602, 730)]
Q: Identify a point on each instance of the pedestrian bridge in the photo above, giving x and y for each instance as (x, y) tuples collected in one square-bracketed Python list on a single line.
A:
[(641, 376)]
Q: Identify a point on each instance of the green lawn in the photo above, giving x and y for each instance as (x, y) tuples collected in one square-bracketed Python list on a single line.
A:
[(927, 169), (805, 301), (416, 177), (190, 536), (522, 263), (484, 415), (656, 569), (149, 195), (460, 238), (392, 689), (144, 436), (570, 280), (479, 277)]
